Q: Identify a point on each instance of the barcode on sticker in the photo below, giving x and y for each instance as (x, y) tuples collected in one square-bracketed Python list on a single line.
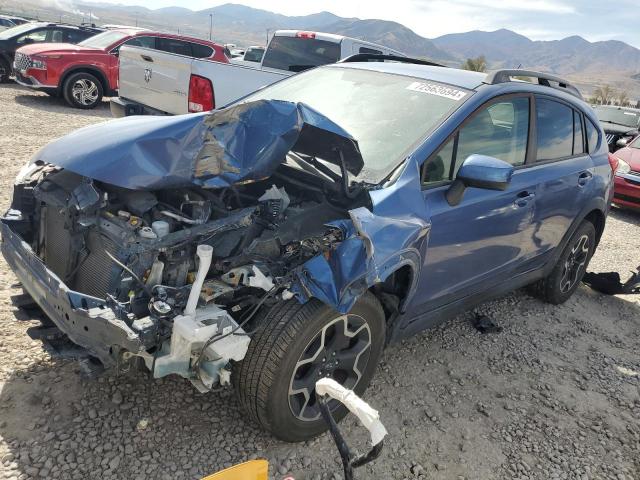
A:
[(440, 90)]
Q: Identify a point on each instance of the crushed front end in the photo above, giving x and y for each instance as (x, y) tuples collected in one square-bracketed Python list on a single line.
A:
[(162, 238), (117, 269)]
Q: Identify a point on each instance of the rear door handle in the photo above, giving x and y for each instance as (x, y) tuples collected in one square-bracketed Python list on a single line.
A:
[(584, 178), (147, 58), (524, 198)]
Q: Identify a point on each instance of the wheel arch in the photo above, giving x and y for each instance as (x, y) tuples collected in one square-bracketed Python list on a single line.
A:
[(93, 70), (395, 291), (594, 212), (598, 219)]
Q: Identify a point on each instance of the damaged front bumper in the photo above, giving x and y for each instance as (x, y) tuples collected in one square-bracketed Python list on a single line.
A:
[(86, 320)]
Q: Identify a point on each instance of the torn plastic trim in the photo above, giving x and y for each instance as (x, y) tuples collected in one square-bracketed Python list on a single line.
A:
[(242, 143)]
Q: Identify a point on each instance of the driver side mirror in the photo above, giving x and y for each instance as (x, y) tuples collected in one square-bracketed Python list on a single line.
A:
[(622, 142), (479, 171)]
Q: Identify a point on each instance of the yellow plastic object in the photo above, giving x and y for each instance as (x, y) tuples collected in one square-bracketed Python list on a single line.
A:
[(252, 470)]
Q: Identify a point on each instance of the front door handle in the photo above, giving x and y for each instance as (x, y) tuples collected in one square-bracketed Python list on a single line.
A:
[(584, 178), (524, 198)]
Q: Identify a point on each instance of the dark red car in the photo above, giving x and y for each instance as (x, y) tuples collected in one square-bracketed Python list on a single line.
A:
[(86, 72), (627, 180)]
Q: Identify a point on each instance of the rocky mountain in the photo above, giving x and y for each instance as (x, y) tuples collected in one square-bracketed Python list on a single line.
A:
[(571, 55)]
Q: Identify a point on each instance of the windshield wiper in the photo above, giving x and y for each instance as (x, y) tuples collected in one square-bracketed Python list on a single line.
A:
[(313, 165)]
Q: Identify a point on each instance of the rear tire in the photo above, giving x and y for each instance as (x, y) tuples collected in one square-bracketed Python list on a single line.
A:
[(82, 90), (297, 345), (566, 276)]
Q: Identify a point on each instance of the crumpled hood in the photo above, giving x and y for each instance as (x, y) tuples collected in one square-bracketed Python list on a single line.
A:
[(216, 149)]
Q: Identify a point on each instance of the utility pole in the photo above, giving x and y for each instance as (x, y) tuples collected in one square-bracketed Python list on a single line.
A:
[(210, 26), (268, 30), (136, 13)]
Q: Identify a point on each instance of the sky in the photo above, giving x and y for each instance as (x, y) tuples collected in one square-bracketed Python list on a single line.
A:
[(537, 19)]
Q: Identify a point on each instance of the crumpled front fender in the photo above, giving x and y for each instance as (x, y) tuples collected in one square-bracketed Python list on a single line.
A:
[(376, 243)]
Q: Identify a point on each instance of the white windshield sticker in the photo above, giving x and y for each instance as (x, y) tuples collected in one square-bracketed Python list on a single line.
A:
[(440, 90)]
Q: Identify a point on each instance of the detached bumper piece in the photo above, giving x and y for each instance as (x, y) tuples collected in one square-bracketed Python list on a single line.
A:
[(86, 320)]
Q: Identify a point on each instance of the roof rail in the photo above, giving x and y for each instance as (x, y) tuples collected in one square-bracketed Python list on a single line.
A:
[(504, 76), (379, 57)]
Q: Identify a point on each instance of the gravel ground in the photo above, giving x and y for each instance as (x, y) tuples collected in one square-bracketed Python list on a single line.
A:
[(555, 395)]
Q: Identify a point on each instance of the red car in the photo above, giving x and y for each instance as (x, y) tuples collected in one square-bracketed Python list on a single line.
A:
[(83, 73), (627, 180)]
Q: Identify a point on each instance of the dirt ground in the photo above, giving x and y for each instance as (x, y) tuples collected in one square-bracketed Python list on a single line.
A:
[(555, 395)]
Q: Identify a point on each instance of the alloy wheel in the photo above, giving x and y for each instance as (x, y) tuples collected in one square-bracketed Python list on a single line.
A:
[(85, 92), (340, 351), (575, 263)]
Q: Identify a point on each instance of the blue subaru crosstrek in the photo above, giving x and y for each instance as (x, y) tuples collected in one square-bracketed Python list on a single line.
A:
[(292, 235)]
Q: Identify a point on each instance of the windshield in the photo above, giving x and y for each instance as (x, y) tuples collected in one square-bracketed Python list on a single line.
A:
[(619, 116), (103, 40), (295, 54), (635, 143), (387, 114), (15, 31)]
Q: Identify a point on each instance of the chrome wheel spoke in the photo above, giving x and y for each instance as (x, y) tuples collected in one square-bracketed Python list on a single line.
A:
[(85, 92)]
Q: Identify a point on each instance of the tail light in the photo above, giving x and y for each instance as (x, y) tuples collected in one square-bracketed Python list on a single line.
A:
[(310, 35), (614, 162), (201, 98)]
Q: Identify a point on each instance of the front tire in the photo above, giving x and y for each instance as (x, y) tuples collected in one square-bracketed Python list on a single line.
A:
[(82, 90), (295, 346), (5, 71), (566, 276)]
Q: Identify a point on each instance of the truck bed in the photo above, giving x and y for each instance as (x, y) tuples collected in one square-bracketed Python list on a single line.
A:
[(160, 80)]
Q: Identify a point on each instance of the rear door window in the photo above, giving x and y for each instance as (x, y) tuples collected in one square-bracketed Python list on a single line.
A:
[(555, 129), (201, 51), (295, 54), (173, 45)]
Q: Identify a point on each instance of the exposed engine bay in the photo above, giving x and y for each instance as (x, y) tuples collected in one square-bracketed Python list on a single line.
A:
[(200, 259), (167, 245)]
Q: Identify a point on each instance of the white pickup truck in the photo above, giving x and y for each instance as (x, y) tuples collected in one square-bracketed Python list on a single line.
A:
[(160, 83)]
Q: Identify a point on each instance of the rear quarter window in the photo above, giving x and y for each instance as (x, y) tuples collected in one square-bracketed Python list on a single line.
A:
[(592, 136), (555, 129)]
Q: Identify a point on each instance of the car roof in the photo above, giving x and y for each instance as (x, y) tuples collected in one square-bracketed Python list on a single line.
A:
[(616, 107), (453, 76), (175, 36), (65, 25)]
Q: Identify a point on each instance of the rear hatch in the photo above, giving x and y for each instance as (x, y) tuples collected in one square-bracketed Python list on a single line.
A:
[(154, 78)]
